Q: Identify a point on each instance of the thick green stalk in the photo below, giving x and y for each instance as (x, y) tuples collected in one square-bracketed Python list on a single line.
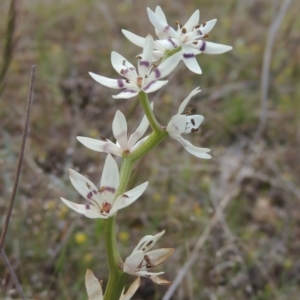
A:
[(117, 278), (148, 112)]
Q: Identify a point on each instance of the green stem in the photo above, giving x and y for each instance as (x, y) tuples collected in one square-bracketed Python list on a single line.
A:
[(148, 112)]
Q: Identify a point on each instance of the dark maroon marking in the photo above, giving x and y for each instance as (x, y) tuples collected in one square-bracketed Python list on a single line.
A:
[(89, 195), (125, 196), (106, 207), (120, 83), (194, 129), (148, 85), (157, 73), (193, 121), (95, 192), (183, 30), (87, 206), (199, 32), (103, 138), (189, 55), (145, 63), (203, 46)]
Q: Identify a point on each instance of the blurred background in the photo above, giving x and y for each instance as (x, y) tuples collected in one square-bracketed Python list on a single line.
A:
[(248, 249)]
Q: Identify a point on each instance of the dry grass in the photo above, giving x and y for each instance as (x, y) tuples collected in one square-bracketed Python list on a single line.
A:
[(252, 252)]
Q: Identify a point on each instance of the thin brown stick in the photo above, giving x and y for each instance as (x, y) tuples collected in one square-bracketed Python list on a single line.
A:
[(12, 273), (265, 72), (9, 41), (21, 156)]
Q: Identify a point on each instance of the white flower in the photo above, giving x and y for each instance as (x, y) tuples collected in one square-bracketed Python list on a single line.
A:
[(147, 78), (94, 289), (182, 124), (102, 201), (189, 36), (141, 260), (120, 131)]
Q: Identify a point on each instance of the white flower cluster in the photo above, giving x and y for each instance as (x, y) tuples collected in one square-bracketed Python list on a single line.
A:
[(158, 59)]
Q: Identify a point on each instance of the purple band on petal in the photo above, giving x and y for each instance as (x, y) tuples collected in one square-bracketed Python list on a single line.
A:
[(145, 88), (120, 83), (87, 206), (203, 46), (89, 195), (199, 32), (107, 188), (188, 55), (166, 29), (145, 63), (95, 192), (130, 91), (172, 43), (157, 72)]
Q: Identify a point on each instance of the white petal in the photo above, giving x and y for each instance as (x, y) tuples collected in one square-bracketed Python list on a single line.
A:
[(84, 186), (159, 280), (159, 12), (132, 262), (87, 210), (187, 99), (133, 38), (192, 21), (158, 256), (132, 289), (196, 151), (210, 48), (147, 274), (153, 85), (177, 125), (101, 146), (126, 94), (140, 131), (120, 63), (111, 83), (169, 44), (147, 242), (193, 122), (109, 179), (160, 24), (190, 60), (119, 128), (93, 286), (145, 63), (166, 67), (207, 26), (127, 198), (139, 143)]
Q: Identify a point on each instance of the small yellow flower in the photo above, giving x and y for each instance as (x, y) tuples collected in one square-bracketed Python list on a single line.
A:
[(80, 237), (172, 199), (156, 197), (63, 210), (197, 210), (123, 236), (88, 257)]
